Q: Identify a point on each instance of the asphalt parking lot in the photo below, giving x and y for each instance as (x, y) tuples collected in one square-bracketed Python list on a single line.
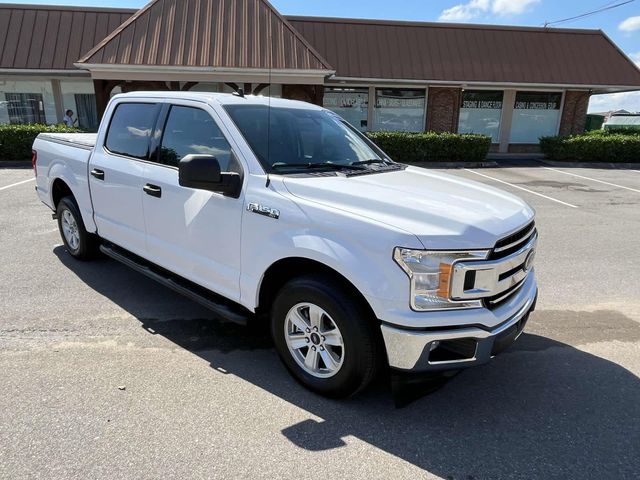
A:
[(105, 374)]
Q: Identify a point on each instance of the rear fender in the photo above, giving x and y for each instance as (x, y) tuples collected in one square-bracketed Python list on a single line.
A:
[(78, 184)]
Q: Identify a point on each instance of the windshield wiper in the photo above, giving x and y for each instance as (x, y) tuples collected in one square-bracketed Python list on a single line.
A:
[(372, 162), (311, 165)]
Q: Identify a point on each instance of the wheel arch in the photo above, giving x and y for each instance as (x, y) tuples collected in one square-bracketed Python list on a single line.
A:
[(286, 269), (63, 182), (59, 190)]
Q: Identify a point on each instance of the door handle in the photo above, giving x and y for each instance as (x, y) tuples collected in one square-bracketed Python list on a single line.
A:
[(99, 174), (153, 190)]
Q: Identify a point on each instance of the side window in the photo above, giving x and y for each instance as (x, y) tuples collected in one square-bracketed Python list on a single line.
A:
[(191, 130), (130, 129)]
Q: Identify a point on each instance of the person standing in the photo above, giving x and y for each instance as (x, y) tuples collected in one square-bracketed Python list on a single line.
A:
[(68, 119)]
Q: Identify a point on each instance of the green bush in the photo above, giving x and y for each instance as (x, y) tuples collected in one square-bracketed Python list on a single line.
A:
[(594, 146), (16, 140), (432, 147)]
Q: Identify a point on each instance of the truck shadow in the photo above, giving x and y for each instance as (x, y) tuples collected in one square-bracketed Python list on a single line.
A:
[(543, 409)]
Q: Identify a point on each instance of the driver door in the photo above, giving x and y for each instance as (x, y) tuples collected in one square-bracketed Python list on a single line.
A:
[(194, 233)]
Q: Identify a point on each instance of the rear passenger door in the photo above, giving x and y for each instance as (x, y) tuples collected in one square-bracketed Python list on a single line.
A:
[(194, 233), (116, 174)]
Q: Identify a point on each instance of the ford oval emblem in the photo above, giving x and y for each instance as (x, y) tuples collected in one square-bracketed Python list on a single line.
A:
[(528, 263)]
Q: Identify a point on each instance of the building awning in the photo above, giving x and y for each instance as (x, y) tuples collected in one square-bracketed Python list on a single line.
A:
[(372, 50), (207, 40)]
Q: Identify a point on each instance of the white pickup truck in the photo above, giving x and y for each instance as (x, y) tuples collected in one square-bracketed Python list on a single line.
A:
[(279, 211)]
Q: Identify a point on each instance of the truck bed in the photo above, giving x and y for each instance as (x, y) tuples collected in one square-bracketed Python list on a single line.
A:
[(66, 156)]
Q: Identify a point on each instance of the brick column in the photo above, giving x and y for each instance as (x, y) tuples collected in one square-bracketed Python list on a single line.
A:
[(443, 109), (574, 112), (101, 88)]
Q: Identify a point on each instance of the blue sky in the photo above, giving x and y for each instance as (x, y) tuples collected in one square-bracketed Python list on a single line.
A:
[(622, 24)]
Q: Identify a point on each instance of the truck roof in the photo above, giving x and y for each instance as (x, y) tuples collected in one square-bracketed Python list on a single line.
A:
[(221, 98)]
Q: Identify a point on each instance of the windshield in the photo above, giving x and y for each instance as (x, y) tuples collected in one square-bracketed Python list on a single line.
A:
[(294, 139)]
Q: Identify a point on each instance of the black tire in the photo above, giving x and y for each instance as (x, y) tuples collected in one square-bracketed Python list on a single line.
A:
[(360, 334), (88, 243)]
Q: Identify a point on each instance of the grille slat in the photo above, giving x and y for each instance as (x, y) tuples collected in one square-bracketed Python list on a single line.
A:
[(512, 243), (505, 247)]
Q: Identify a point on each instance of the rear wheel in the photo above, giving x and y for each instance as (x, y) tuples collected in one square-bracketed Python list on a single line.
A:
[(324, 337), (78, 242)]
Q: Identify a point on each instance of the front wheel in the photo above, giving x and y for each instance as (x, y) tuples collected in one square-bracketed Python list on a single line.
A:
[(324, 337), (78, 242)]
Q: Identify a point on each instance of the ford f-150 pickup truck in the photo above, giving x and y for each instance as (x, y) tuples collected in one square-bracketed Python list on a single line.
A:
[(279, 211)]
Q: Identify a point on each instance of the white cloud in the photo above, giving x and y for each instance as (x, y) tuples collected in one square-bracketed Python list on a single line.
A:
[(476, 8), (465, 12), (512, 7), (629, 101), (631, 24)]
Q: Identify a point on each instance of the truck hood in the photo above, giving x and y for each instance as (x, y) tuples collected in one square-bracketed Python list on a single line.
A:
[(443, 211)]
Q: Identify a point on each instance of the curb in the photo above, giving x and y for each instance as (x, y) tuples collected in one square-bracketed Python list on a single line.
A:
[(603, 165)]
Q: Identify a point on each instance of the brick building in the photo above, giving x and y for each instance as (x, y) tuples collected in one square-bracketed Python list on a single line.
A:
[(512, 83)]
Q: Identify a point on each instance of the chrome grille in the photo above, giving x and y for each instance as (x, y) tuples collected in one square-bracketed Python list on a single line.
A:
[(497, 300), (512, 243), (499, 277)]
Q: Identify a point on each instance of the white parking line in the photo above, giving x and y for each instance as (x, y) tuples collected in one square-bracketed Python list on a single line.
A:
[(593, 179), (522, 188), (16, 184)]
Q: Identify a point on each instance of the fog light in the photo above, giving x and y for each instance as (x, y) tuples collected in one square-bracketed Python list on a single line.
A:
[(434, 345)]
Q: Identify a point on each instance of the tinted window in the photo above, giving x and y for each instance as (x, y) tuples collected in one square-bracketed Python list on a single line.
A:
[(295, 137), (130, 129), (193, 131)]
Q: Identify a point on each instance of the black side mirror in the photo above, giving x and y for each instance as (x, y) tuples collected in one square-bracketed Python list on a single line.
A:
[(203, 172)]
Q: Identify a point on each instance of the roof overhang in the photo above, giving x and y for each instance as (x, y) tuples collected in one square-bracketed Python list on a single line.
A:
[(34, 72), (204, 74), (596, 89)]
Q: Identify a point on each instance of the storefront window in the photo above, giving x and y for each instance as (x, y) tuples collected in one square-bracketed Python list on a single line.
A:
[(352, 104), (79, 96), (480, 112), (26, 102), (535, 115), (399, 110)]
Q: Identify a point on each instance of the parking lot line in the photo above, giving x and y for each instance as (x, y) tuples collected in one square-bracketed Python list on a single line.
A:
[(593, 179), (522, 188), (16, 184)]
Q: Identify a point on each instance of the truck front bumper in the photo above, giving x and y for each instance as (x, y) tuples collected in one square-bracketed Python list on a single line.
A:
[(459, 347)]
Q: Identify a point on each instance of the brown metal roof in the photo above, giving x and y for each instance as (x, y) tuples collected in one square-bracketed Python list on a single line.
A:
[(207, 33), (237, 34), (467, 53), (51, 37)]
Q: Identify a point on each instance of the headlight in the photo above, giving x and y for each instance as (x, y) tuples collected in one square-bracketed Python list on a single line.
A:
[(430, 276)]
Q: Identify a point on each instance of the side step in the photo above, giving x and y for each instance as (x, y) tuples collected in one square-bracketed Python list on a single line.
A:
[(222, 307)]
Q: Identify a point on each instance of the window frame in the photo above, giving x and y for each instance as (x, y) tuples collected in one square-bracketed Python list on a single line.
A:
[(161, 124), (543, 91), (502, 110), (373, 106), (158, 106), (362, 90)]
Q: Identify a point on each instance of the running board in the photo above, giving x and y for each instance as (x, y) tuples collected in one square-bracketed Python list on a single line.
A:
[(222, 307)]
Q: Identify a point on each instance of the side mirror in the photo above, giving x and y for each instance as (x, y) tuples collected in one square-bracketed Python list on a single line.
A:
[(203, 172)]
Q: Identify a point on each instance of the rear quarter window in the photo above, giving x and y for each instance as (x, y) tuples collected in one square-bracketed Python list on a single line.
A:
[(130, 130)]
